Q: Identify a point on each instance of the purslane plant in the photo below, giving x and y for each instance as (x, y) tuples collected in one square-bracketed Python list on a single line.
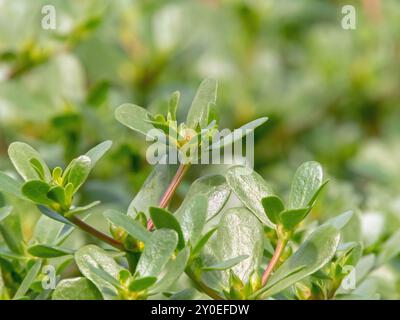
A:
[(258, 250)]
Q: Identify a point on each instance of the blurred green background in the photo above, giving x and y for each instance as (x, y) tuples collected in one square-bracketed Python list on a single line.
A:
[(332, 95)]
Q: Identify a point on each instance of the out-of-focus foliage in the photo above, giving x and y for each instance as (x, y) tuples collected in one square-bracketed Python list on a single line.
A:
[(331, 95)]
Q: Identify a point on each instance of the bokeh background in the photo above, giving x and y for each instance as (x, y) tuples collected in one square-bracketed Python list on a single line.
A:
[(331, 95)]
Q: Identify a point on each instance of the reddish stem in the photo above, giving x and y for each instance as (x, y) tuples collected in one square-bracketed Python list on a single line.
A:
[(275, 258)]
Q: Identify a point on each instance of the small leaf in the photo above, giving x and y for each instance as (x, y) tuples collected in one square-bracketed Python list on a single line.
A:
[(306, 183), (97, 152), (237, 134), (36, 191), (227, 264), (173, 104), (47, 230), (292, 217), (250, 188), (198, 112), (76, 289), (28, 280), (134, 117), (10, 229), (36, 164), (203, 241), (20, 154), (10, 186), (390, 249), (164, 219), (192, 218), (57, 194), (53, 215), (76, 210), (132, 227), (273, 206), (157, 251), (4, 212), (141, 284), (46, 251), (79, 171)]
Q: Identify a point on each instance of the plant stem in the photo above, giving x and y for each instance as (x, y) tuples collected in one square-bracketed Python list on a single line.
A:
[(280, 246), (202, 286), (96, 233), (166, 198)]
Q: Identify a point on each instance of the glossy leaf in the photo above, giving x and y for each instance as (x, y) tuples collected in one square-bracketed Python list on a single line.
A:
[(173, 270), (250, 188), (205, 95), (20, 154), (46, 251), (57, 194), (238, 134), (132, 227), (36, 191), (164, 219), (10, 186), (273, 206), (152, 190), (53, 215), (157, 252), (76, 289), (134, 117), (47, 230), (91, 258), (214, 188), (292, 217), (79, 171), (141, 283), (192, 218), (203, 241), (306, 182), (97, 152)]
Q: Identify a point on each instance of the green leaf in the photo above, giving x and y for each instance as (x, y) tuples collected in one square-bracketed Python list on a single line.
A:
[(91, 259), (76, 210), (250, 188), (198, 112), (164, 219), (306, 183), (47, 251), (273, 206), (390, 249), (4, 212), (214, 188), (238, 134), (227, 264), (11, 231), (132, 227), (203, 241), (239, 233), (318, 249), (173, 104), (341, 220), (173, 270), (79, 171), (53, 215), (76, 289), (47, 230), (157, 251), (152, 190), (10, 255), (192, 218), (134, 117), (292, 217), (97, 152), (57, 194), (10, 186), (28, 280), (21, 154), (36, 191), (141, 284)]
